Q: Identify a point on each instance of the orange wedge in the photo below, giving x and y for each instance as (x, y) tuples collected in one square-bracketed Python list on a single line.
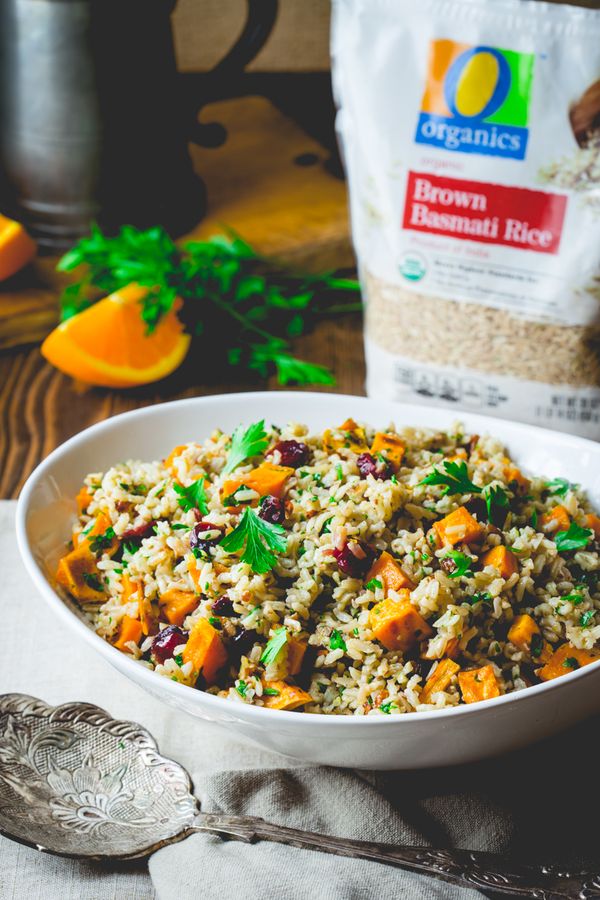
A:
[(16, 247), (107, 344)]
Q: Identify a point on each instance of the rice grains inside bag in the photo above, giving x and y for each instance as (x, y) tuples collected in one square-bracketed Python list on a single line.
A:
[(471, 136)]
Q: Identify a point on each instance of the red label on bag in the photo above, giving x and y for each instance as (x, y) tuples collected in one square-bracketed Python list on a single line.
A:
[(489, 213)]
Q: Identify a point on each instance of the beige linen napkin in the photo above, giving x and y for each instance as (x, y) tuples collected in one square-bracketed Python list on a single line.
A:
[(535, 805)]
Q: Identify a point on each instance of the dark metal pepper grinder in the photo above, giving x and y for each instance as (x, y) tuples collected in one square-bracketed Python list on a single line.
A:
[(92, 119)]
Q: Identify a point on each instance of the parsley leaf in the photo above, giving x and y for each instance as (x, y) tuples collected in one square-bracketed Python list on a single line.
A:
[(336, 641), (388, 706), (575, 538), (258, 538), (455, 478), (496, 499), (271, 692), (373, 584), (571, 663), (560, 486), (479, 597), (192, 497), (462, 564), (274, 646), (536, 645), (100, 542), (575, 598), (245, 444), (586, 618), (241, 687)]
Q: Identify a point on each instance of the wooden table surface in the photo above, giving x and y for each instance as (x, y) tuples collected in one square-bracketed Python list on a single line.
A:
[(40, 408)]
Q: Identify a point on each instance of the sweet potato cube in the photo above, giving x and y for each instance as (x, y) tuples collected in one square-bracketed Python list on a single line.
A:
[(397, 624), (387, 570), (516, 480), (521, 634), (295, 654), (205, 650), (390, 446), (78, 573), (478, 684), (287, 697), (458, 527), (177, 604), (265, 479), (134, 590), (353, 438), (593, 522), (83, 499), (558, 519), (440, 679), (101, 526), (502, 559), (129, 630), (566, 659), (16, 247)]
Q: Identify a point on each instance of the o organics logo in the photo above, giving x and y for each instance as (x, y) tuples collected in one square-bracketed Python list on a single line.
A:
[(476, 100)]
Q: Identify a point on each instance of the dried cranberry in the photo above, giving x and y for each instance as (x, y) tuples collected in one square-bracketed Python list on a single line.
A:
[(165, 642), (368, 465), (293, 453), (272, 509), (223, 606), (198, 542), (352, 565), (139, 532), (242, 643)]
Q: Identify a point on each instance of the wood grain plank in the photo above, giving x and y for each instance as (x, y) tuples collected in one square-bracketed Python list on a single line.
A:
[(40, 408)]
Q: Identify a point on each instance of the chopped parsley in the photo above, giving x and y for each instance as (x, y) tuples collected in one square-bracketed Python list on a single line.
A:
[(179, 526), (336, 641), (216, 623), (100, 542), (339, 472), (231, 499), (373, 584), (241, 687), (274, 646), (536, 646), (462, 564), (575, 538), (92, 581), (560, 486), (571, 663), (192, 497), (496, 499), (326, 529), (271, 692), (455, 479), (245, 444), (586, 618), (534, 519), (388, 706), (575, 598), (179, 659), (258, 538), (479, 597)]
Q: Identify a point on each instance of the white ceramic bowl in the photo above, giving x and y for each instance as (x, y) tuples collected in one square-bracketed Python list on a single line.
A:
[(46, 512)]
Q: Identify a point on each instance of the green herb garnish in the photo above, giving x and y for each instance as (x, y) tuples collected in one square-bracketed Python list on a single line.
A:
[(587, 617), (179, 526), (496, 499), (575, 538), (179, 659), (245, 444), (192, 497), (215, 622), (271, 692), (231, 499), (336, 641), (479, 597), (274, 646), (534, 519), (575, 598), (571, 663), (537, 645), (373, 584), (388, 706), (241, 687), (455, 479), (560, 486), (100, 542), (240, 303), (462, 564), (258, 538)]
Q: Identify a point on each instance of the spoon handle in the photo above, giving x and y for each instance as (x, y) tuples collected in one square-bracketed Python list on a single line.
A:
[(475, 869)]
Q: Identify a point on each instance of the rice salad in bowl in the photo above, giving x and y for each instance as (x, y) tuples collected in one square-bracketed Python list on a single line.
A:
[(347, 572)]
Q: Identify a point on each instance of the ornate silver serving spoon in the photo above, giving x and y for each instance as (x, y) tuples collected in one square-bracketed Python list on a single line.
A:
[(75, 782)]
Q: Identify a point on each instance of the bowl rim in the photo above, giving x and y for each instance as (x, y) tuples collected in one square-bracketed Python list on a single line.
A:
[(263, 716)]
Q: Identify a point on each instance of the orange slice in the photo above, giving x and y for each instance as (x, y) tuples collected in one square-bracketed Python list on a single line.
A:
[(16, 247), (107, 343)]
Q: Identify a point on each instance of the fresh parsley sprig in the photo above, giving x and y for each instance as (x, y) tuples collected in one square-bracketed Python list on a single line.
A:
[(239, 303), (455, 479), (462, 564), (246, 443), (575, 538), (258, 539), (192, 497), (274, 646), (496, 500), (560, 486)]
